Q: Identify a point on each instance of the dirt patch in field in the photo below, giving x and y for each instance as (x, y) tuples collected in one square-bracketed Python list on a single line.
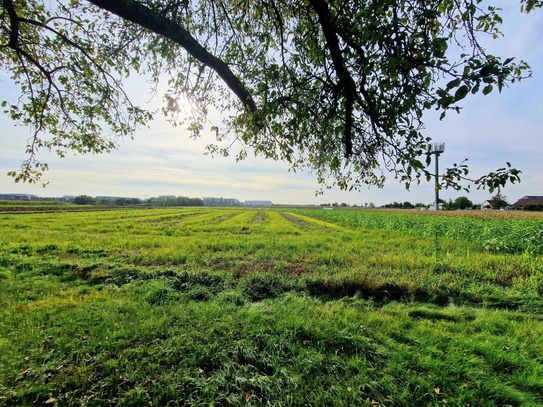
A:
[(302, 224)]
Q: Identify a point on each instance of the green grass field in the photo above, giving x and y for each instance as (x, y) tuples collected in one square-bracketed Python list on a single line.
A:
[(236, 307)]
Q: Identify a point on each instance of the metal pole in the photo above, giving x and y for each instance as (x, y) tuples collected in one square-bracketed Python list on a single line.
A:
[(437, 183)]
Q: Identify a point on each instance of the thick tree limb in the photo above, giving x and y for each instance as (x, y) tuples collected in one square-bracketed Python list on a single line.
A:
[(137, 13), (346, 82), (14, 23)]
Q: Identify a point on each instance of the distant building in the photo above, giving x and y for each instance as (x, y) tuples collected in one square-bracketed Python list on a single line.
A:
[(18, 197), (486, 205), (231, 202), (529, 202), (258, 203)]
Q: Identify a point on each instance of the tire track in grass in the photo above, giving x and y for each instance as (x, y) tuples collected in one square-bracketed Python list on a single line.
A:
[(309, 224)]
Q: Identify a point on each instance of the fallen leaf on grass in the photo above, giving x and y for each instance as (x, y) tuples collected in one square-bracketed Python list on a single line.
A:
[(438, 391)]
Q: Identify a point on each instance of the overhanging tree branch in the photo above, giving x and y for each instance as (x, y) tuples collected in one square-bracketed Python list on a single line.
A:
[(339, 88), (143, 16)]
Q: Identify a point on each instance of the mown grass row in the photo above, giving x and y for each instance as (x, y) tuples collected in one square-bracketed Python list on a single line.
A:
[(247, 307)]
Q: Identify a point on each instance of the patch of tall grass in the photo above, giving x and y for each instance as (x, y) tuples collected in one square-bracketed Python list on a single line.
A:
[(504, 234)]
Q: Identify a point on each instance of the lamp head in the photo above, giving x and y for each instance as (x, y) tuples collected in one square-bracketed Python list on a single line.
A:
[(437, 148)]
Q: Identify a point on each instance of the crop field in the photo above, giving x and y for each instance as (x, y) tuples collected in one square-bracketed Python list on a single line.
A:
[(279, 307)]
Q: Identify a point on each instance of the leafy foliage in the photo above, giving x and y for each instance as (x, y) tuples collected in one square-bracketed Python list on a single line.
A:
[(84, 200), (339, 87), (70, 76), (462, 202), (498, 201)]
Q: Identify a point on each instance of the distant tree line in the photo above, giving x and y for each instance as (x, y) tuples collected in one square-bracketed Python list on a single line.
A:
[(123, 201), (175, 201), (160, 201), (461, 203), (496, 202), (404, 205), (84, 200), (346, 205)]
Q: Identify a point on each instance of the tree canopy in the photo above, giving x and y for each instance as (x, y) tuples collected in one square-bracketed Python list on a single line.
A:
[(336, 86), (462, 202), (498, 201)]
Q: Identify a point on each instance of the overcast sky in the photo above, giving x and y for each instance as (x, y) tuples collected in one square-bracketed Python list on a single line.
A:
[(163, 160)]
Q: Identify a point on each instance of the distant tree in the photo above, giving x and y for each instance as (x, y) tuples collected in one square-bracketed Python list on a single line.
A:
[(498, 201), (84, 200), (195, 202), (447, 205), (343, 205), (408, 205), (126, 201), (462, 202), (395, 205)]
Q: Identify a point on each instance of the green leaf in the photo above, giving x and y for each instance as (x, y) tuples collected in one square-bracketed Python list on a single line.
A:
[(453, 84), (461, 93)]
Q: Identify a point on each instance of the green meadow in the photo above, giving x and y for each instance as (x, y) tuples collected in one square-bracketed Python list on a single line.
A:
[(279, 307)]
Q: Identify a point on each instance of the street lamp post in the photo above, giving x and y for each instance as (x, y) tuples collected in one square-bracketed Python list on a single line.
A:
[(437, 149)]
